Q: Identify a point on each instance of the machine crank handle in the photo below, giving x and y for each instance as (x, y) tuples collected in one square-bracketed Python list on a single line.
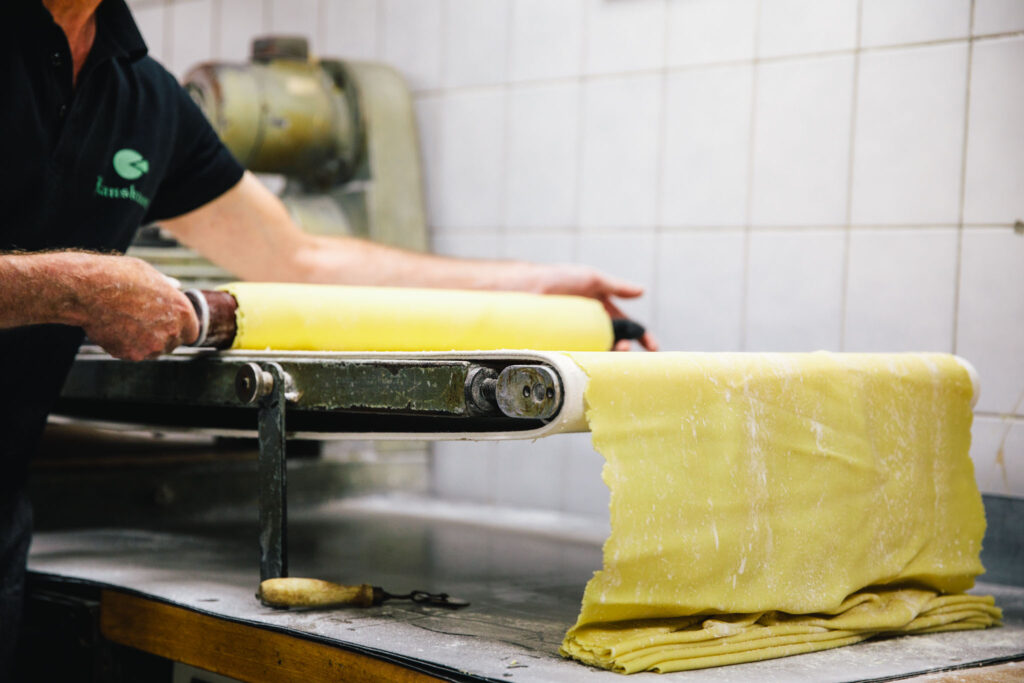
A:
[(624, 328), (297, 592)]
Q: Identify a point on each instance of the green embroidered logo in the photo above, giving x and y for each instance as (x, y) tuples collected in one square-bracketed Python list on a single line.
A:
[(129, 164), (121, 193)]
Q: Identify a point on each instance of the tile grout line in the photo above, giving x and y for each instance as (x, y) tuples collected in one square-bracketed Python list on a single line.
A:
[(847, 230), (660, 190), (581, 113), (167, 29), (321, 28), (378, 31), (749, 203), (506, 128), (711, 227), (382, 13), (216, 20), (958, 280), (678, 68)]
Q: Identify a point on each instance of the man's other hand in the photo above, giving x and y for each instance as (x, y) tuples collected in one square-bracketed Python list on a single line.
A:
[(586, 281), (133, 311)]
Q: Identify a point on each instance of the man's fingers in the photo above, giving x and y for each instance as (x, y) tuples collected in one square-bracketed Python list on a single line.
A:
[(649, 342), (190, 330), (621, 288)]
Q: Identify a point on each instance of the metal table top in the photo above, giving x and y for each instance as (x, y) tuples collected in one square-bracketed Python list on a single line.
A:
[(523, 572)]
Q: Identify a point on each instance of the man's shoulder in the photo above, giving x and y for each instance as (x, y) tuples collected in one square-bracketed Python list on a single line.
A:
[(155, 73)]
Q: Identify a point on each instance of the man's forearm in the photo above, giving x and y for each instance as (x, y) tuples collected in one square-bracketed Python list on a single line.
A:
[(123, 304), (346, 260), (38, 288)]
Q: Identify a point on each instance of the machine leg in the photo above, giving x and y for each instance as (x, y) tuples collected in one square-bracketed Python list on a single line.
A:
[(273, 500)]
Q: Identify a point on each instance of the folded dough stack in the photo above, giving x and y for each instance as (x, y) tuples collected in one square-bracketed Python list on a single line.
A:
[(764, 505)]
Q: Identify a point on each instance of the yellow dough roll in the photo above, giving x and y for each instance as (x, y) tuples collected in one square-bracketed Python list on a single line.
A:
[(296, 317), (764, 505)]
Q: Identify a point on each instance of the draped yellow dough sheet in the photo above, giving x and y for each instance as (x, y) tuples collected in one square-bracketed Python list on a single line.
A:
[(764, 505), (290, 317)]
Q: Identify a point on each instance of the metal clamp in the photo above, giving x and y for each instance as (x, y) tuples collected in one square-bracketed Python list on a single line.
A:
[(253, 383), (268, 386)]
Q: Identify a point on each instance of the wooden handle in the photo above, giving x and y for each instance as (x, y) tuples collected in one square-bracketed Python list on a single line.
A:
[(295, 592)]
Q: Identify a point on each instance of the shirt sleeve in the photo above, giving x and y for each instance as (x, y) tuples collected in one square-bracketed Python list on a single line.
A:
[(201, 168)]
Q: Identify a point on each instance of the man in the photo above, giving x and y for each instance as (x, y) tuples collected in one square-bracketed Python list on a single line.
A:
[(96, 139)]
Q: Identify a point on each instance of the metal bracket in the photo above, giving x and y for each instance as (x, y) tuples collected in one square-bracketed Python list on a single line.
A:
[(273, 470)]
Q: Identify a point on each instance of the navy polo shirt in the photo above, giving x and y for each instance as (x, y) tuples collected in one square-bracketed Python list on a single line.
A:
[(82, 167)]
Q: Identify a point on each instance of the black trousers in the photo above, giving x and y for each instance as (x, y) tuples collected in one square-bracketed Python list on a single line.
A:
[(15, 535)]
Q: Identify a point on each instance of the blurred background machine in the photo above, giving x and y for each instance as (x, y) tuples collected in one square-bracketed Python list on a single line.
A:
[(337, 142)]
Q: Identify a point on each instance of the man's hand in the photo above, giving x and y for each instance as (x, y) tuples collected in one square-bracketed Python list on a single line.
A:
[(134, 312), (124, 304), (580, 280)]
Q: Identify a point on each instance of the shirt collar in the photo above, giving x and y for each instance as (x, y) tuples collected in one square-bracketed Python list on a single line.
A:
[(116, 27)]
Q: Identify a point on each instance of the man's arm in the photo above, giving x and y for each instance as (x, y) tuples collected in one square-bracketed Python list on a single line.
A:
[(249, 232), (123, 304)]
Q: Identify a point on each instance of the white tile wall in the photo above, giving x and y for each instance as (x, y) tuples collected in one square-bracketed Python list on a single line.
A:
[(476, 51), (463, 470), (990, 322), (351, 29), (583, 490), (411, 40), (624, 36), (527, 474), (707, 146), (541, 174), (699, 292), (997, 449), (703, 148), (901, 290), (471, 161), (547, 39), (908, 150), (802, 142), (896, 22), (791, 27), (995, 150), (296, 17), (702, 31), (238, 23), (556, 246), (151, 20), (629, 255), (998, 16), (190, 35), (794, 289), (620, 151)]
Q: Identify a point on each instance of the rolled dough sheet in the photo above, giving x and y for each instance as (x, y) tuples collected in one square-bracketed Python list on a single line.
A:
[(298, 317), (764, 505)]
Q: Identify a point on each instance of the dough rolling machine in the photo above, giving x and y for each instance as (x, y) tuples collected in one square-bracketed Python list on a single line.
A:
[(460, 394)]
